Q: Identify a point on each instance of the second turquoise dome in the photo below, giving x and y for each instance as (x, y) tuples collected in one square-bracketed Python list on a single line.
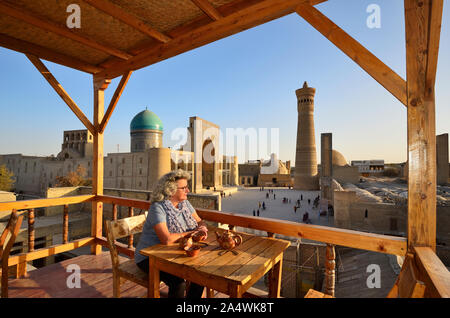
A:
[(146, 120)]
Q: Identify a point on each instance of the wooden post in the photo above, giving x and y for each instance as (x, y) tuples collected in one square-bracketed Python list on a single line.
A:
[(330, 266), (66, 224), (100, 84), (30, 230), (130, 238), (114, 212), (422, 42)]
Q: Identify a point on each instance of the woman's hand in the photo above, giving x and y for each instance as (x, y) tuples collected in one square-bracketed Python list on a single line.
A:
[(202, 227)]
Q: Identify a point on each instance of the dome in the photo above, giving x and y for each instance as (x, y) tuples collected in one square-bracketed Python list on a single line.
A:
[(146, 120), (338, 159)]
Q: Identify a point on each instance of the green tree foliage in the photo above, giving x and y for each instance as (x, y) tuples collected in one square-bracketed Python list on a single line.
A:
[(6, 179), (74, 178)]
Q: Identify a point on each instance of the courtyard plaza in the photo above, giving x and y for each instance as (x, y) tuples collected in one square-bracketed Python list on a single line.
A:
[(247, 199)]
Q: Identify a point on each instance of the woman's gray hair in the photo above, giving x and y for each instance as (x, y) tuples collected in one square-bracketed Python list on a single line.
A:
[(167, 185)]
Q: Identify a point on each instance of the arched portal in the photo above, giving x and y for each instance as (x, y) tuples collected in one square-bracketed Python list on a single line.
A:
[(208, 164)]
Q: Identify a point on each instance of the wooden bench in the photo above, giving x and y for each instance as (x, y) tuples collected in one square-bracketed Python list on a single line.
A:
[(128, 269)]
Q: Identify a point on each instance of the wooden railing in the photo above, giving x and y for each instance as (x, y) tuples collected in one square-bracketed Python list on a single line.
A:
[(433, 272), (28, 207)]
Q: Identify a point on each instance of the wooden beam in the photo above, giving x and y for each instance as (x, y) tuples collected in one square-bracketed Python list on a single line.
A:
[(43, 203), (208, 8), (44, 24), (433, 42), (336, 236), (127, 18), (114, 100), (47, 54), (49, 251), (61, 92), (433, 273), (353, 49), (100, 85), (421, 128), (135, 203), (259, 13)]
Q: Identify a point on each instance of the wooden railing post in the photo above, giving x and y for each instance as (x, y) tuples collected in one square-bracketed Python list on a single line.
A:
[(30, 230), (114, 216), (330, 266), (66, 224), (130, 238)]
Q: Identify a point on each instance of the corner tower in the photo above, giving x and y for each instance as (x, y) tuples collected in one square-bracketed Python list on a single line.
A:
[(305, 177)]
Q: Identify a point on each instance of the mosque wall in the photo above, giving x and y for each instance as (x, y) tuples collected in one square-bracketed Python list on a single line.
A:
[(346, 174)]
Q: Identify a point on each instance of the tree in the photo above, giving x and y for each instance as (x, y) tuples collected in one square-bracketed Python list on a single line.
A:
[(6, 179), (74, 178)]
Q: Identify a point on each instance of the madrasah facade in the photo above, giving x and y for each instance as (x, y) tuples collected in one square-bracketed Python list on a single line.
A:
[(138, 169)]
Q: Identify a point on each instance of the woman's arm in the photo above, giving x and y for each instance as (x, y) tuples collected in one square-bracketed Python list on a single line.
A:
[(165, 237)]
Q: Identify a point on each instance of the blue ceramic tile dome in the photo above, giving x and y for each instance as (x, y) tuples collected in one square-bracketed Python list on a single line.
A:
[(146, 120)]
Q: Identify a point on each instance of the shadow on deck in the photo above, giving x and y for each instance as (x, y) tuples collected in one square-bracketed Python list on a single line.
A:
[(54, 281)]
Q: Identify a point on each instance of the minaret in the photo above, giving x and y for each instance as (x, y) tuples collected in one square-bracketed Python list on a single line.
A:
[(305, 177)]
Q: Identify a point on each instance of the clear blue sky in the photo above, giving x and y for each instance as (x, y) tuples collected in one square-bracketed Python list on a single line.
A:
[(244, 81)]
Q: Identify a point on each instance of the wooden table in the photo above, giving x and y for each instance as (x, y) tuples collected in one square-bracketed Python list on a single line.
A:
[(227, 273)]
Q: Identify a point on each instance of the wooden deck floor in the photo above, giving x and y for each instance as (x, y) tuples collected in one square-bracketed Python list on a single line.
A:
[(96, 281)]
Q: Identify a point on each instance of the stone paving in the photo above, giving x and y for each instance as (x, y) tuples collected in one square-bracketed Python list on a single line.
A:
[(245, 200)]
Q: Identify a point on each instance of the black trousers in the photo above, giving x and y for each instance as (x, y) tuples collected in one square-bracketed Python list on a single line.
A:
[(177, 285)]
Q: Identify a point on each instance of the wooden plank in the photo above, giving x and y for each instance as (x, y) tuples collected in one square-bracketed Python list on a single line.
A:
[(40, 203), (208, 9), (121, 248), (48, 251), (132, 20), (433, 42), (97, 170), (45, 24), (262, 12), (47, 54), (353, 49), (361, 240), (275, 279), (135, 203), (61, 92), (114, 100), (421, 129), (432, 272)]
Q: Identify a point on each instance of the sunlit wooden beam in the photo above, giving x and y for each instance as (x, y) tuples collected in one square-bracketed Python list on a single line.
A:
[(114, 100), (61, 92), (353, 49)]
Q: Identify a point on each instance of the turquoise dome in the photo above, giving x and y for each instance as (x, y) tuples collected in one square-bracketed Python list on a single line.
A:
[(146, 120)]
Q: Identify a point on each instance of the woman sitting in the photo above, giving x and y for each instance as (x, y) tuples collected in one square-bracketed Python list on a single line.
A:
[(170, 218)]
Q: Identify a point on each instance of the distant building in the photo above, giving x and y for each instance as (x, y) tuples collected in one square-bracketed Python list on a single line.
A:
[(138, 169), (369, 167), (272, 172)]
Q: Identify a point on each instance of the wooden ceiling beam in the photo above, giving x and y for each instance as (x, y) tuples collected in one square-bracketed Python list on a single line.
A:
[(127, 18), (259, 13), (44, 24), (114, 100), (61, 92), (357, 52), (208, 9), (47, 54)]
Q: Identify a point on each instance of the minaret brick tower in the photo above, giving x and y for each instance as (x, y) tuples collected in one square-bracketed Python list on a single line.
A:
[(305, 177)]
